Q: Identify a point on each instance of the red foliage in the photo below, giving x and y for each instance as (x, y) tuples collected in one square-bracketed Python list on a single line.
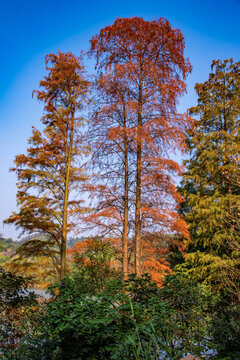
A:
[(141, 72)]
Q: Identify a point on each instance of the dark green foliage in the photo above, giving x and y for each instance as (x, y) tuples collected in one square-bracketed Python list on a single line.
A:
[(193, 304), (14, 298), (175, 256), (33, 348), (142, 288), (225, 327), (13, 289), (117, 323), (212, 180), (131, 320), (83, 327)]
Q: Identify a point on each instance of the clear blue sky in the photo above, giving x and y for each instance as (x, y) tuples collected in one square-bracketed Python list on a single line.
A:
[(31, 29)]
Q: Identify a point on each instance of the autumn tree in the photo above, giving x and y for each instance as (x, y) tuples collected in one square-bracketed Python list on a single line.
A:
[(112, 160), (141, 65), (94, 264), (212, 180), (50, 176)]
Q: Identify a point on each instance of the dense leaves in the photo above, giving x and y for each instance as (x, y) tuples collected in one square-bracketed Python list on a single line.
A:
[(94, 265), (50, 174), (131, 320), (14, 298), (190, 302), (212, 178)]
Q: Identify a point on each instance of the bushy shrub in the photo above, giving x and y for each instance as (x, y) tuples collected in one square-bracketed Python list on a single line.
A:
[(127, 320), (92, 267), (15, 300), (225, 327), (193, 305), (131, 320)]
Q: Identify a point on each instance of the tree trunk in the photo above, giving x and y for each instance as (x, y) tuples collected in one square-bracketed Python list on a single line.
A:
[(125, 214), (138, 184), (65, 203)]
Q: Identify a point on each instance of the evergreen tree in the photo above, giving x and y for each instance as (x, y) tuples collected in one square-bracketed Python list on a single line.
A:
[(212, 181)]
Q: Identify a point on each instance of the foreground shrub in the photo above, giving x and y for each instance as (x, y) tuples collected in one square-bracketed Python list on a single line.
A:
[(131, 320), (15, 302), (225, 326), (93, 265), (127, 320)]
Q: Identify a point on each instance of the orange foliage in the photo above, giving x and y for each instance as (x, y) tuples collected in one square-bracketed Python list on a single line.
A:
[(154, 252), (50, 171), (82, 249), (141, 73)]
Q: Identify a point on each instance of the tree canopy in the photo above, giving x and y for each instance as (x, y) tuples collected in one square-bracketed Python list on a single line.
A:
[(213, 173), (50, 176), (141, 72)]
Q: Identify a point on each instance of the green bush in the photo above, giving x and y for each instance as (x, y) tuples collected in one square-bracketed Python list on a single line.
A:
[(225, 327), (92, 269), (14, 300), (131, 320), (127, 320), (193, 304)]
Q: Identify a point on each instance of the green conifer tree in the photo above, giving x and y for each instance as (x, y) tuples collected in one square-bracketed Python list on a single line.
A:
[(212, 180)]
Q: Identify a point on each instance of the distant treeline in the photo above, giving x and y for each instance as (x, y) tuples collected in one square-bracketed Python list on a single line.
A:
[(12, 245)]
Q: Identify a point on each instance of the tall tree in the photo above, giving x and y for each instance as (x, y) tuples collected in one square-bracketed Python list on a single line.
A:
[(212, 182), (50, 175), (111, 144), (148, 57)]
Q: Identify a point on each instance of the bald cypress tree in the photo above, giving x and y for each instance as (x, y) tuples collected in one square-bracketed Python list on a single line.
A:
[(141, 72), (50, 176)]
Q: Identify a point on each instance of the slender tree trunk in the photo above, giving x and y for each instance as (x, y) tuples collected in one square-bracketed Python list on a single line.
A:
[(125, 214), (66, 195), (138, 184)]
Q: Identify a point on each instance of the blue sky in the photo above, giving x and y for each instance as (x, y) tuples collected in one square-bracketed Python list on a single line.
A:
[(30, 30)]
